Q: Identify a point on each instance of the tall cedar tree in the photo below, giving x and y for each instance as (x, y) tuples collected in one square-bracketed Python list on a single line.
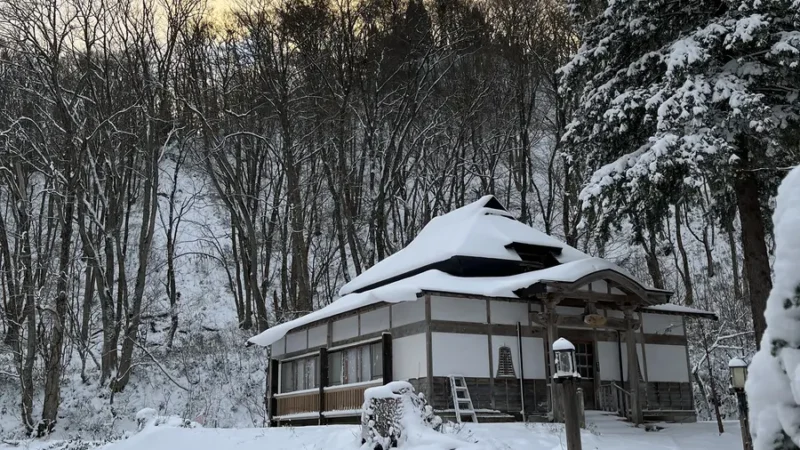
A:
[(680, 97)]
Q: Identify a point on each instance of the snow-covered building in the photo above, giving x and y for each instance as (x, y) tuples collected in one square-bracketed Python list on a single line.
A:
[(476, 297)]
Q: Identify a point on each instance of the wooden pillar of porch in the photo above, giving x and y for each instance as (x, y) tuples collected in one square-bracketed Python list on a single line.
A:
[(633, 365), (550, 319), (272, 402), (386, 358), (323, 383)]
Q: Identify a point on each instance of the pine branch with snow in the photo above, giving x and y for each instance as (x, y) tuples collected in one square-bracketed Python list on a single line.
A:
[(678, 96)]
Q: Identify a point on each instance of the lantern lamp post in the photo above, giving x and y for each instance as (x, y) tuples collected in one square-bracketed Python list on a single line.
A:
[(738, 370), (566, 375)]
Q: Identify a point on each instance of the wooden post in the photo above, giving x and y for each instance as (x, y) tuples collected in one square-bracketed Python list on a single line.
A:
[(272, 402), (428, 350), (386, 358), (572, 426), (549, 317), (744, 420), (633, 367), (323, 382)]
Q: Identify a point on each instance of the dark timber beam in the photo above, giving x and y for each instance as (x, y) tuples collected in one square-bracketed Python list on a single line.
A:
[(574, 321), (549, 318), (323, 382), (633, 366), (272, 406), (386, 357)]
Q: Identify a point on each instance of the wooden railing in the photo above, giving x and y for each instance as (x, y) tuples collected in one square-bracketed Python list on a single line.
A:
[(344, 398), (613, 398), (298, 402), (347, 398)]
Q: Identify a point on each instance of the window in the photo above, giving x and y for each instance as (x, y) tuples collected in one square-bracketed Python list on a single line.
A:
[(299, 374), (356, 364), (335, 368), (584, 360), (505, 366)]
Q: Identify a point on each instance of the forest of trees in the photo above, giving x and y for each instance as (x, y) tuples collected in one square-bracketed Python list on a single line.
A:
[(329, 132)]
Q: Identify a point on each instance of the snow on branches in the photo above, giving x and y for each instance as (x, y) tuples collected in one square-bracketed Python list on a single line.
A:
[(773, 387), (666, 89)]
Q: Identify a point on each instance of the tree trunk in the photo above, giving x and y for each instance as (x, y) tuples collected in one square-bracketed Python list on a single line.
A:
[(15, 303), (52, 383), (686, 274), (759, 281), (737, 284), (145, 243), (651, 257), (86, 316), (25, 359)]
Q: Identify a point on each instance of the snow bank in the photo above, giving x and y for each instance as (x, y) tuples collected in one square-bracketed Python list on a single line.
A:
[(775, 369)]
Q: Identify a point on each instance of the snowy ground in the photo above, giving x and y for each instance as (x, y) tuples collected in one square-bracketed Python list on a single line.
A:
[(604, 433)]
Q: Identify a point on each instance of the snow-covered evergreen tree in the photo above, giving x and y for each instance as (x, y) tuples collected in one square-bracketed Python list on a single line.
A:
[(670, 89), (773, 387), (683, 99)]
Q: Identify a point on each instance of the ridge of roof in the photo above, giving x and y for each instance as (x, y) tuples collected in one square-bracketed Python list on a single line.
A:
[(483, 228)]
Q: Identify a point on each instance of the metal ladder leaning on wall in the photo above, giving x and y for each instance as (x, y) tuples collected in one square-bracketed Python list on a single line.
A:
[(458, 387)]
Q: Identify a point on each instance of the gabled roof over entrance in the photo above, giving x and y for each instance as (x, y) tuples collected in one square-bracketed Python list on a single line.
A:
[(479, 239)]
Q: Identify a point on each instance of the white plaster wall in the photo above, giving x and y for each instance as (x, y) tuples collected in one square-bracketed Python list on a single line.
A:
[(615, 313), (608, 356), (460, 354), (409, 357), (625, 361), (374, 321), (568, 310), (404, 313), (667, 363), (617, 291), (345, 329), (508, 313), (279, 347), (599, 286), (662, 324), (296, 341), (533, 358), (318, 336), (458, 309)]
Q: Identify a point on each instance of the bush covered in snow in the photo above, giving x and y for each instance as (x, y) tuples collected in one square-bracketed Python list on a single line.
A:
[(149, 417), (773, 387), (393, 411)]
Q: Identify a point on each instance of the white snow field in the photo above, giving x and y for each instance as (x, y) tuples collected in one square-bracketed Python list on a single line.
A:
[(604, 433)]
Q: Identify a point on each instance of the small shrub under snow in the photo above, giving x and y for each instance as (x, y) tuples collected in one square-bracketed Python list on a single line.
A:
[(148, 418)]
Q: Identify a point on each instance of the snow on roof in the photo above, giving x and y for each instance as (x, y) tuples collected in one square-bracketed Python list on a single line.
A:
[(477, 229), (737, 362), (562, 344), (679, 309), (408, 289)]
